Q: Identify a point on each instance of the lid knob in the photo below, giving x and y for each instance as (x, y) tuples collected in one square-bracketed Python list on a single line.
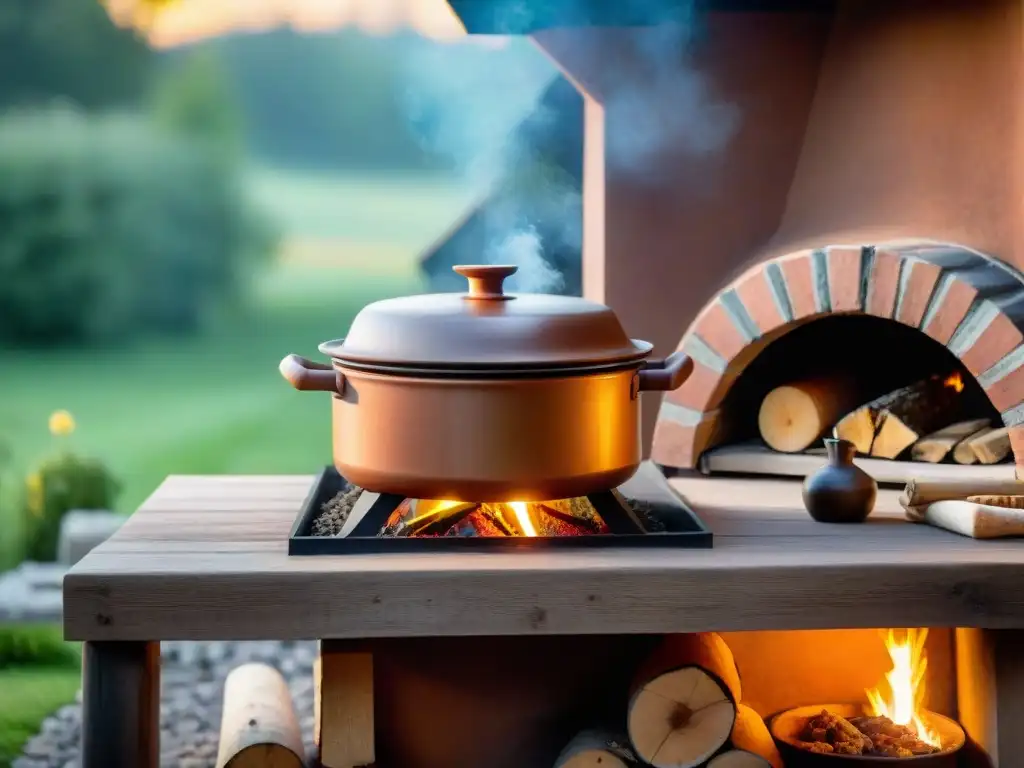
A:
[(486, 280)]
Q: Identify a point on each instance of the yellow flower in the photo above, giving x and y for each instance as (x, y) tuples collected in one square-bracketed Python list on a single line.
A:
[(35, 493), (61, 423)]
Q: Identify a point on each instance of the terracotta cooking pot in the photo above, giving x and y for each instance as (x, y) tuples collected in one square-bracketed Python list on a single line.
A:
[(487, 396)]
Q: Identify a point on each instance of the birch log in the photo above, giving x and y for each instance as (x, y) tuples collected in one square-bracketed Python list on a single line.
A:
[(683, 706), (794, 416), (597, 748), (259, 728)]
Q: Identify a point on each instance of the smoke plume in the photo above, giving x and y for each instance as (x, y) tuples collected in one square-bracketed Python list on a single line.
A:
[(467, 104)]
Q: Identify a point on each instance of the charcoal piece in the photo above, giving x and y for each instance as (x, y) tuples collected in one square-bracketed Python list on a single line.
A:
[(647, 513), (554, 521), (335, 512)]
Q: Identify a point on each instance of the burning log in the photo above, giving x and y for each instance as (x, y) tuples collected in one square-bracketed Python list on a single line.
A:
[(794, 416), (259, 726), (936, 446), (751, 744), (888, 425), (597, 749), (416, 517), (683, 706)]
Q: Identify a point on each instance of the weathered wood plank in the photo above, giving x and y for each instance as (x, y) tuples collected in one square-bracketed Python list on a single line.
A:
[(206, 558)]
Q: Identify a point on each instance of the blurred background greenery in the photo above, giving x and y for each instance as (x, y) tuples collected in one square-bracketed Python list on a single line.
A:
[(173, 222)]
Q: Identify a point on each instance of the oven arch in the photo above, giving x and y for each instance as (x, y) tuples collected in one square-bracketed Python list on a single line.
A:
[(964, 299)]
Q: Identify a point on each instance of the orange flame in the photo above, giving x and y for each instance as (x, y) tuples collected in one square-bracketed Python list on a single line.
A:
[(906, 681), (955, 382), (523, 517)]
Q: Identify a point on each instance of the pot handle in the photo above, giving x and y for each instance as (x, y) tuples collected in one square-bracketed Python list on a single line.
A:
[(308, 376), (666, 375)]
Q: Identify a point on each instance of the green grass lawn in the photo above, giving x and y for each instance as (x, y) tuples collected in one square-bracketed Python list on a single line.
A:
[(27, 696), (39, 673), (216, 403)]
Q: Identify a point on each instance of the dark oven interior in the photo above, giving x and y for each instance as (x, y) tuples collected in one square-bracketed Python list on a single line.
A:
[(869, 360)]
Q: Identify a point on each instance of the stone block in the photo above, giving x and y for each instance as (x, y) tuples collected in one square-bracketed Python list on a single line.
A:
[(83, 529)]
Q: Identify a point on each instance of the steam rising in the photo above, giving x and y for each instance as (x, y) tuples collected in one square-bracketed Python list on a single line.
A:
[(523, 248), (657, 106), (662, 106)]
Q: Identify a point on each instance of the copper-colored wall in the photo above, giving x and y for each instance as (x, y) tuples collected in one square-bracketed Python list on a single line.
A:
[(914, 130), (656, 252), (889, 121)]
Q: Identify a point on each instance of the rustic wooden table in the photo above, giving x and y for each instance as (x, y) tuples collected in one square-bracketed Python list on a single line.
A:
[(206, 558)]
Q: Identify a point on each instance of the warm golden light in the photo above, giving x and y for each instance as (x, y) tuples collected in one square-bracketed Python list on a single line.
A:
[(955, 382), (906, 681), (523, 517), (170, 23)]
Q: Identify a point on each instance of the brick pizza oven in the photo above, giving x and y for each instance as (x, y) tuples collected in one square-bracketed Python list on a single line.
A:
[(874, 171)]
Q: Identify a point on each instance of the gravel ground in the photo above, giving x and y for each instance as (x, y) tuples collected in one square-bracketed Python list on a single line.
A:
[(191, 686)]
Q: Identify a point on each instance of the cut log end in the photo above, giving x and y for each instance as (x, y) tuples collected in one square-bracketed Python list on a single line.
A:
[(890, 424), (593, 758), (991, 447), (935, 447), (596, 749), (964, 453), (794, 416), (787, 419), (893, 437), (738, 758), (858, 428), (680, 719)]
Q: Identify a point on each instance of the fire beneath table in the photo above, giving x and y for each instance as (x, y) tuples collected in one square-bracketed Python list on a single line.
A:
[(892, 724), (566, 517), (906, 682)]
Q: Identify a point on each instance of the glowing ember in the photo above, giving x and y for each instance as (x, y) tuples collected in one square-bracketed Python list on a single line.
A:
[(523, 517), (906, 681), (566, 517), (955, 382)]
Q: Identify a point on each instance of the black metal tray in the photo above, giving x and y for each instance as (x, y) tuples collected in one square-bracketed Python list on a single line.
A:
[(681, 527)]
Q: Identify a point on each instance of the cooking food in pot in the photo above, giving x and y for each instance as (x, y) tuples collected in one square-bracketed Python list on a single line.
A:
[(486, 395)]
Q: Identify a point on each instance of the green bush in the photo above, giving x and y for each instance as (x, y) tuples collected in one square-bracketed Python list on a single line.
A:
[(193, 98), (39, 645), (58, 484), (110, 226)]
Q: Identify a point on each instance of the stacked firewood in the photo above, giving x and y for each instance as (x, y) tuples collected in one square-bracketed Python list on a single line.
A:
[(928, 420), (684, 710)]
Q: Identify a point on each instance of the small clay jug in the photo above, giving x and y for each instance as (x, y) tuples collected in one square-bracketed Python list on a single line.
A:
[(840, 492)]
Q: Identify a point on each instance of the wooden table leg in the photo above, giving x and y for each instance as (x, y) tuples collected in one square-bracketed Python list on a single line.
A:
[(990, 695), (121, 705)]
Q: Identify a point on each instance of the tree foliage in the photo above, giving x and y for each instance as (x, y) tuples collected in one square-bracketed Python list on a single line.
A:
[(193, 98), (110, 227), (69, 49)]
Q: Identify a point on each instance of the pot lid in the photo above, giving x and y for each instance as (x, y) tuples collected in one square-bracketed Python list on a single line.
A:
[(486, 328)]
